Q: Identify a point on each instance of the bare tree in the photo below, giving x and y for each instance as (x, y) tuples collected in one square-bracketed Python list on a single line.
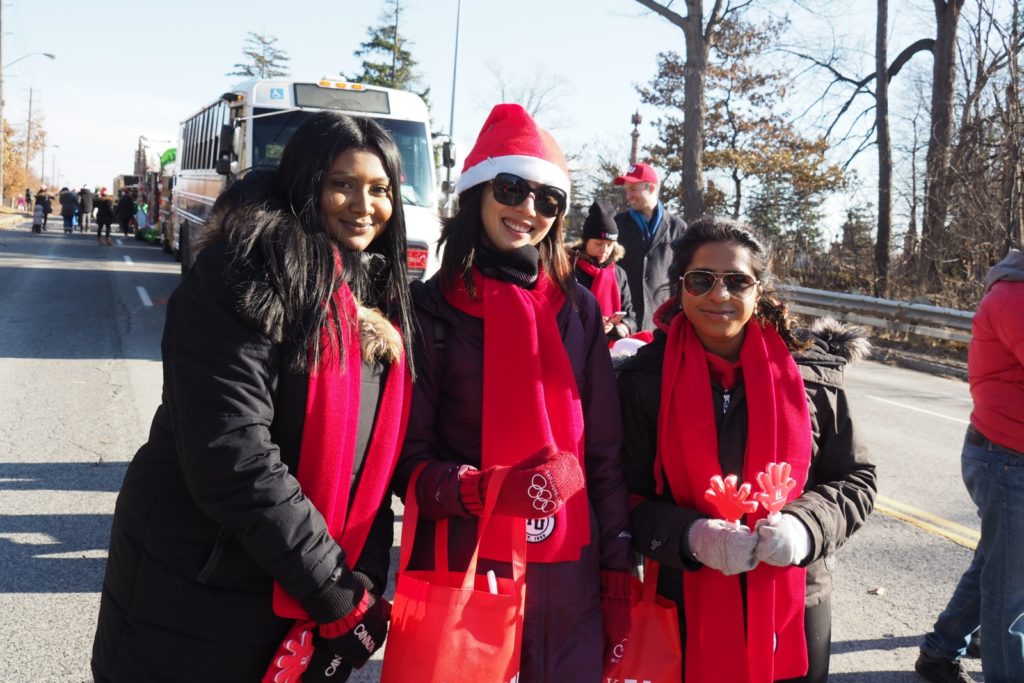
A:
[(947, 16), (539, 91), (700, 36), (883, 241)]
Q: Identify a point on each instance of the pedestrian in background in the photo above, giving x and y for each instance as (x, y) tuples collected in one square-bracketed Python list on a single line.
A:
[(646, 232), (502, 319), (28, 198), (595, 261), (85, 206), (43, 200), (990, 595), (727, 387), (104, 216), (124, 211), (68, 207), (259, 507)]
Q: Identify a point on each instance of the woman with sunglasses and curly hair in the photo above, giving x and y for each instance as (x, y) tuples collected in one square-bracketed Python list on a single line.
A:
[(513, 370), (728, 388), (253, 532)]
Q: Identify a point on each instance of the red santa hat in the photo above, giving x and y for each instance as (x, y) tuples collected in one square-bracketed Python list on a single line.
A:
[(512, 142)]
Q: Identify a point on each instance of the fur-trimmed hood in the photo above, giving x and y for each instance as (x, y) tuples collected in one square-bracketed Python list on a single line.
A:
[(830, 337), (576, 250), (257, 271)]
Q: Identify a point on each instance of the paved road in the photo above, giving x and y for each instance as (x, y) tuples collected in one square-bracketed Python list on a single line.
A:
[(80, 377)]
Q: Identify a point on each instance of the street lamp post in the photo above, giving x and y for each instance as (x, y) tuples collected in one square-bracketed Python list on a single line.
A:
[(2, 69)]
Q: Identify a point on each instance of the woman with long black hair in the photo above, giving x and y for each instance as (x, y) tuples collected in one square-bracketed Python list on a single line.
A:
[(253, 530)]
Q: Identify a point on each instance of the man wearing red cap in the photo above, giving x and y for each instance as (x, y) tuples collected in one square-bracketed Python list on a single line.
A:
[(646, 232)]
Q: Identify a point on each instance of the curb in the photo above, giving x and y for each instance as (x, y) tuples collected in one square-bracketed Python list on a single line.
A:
[(903, 360)]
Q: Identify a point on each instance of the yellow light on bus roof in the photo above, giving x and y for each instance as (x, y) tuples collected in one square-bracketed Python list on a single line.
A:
[(341, 84)]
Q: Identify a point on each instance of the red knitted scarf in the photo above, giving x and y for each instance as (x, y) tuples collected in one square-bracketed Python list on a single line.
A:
[(778, 429), (604, 287), (328, 448), (530, 400)]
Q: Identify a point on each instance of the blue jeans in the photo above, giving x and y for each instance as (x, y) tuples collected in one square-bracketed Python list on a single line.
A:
[(990, 594)]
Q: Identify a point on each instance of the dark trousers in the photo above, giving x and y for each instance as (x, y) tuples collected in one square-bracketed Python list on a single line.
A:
[(818, 627), (99, 228)]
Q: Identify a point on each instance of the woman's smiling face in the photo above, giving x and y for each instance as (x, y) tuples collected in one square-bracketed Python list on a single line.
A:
[(507, 228), (355, 199), (718, 317)]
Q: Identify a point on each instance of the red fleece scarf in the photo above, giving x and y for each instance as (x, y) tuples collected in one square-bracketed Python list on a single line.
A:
[(329, 436), (717, 647), (604, 287), (530, 400)]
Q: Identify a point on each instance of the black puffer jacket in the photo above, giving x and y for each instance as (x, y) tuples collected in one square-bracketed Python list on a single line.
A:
[(210, 513), (840, 490)]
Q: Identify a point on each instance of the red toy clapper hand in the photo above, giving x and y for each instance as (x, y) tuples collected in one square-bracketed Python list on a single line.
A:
[(731, 502), (775, 484)]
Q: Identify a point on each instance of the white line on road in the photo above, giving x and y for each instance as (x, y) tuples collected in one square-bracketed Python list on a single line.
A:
[(128, 259), (119, 242), (144, 295), (920, 410)]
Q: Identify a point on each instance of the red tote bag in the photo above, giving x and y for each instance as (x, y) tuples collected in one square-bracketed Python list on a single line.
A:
[(447, 627), (653, 653)]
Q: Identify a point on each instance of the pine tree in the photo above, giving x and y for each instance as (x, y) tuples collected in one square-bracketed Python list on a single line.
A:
[(386, 59), (265, 60)]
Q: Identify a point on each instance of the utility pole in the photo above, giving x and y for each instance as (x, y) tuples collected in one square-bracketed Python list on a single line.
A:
[(28, 134), (2, 141), (634, 150)]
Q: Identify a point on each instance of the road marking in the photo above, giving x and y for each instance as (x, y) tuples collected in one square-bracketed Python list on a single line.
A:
[(920, 410), (29, 538), (119, 242), (144, 295), (96, 554), (958, 533), (128, 259)]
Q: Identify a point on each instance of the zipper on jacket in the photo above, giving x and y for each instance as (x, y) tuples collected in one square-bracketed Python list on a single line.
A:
[(726, 397)]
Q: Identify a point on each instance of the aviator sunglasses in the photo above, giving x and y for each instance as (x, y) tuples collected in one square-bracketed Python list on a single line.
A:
[(700, 282), (510, 190)]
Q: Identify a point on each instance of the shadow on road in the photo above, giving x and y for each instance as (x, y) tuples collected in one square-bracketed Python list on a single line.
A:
[(62, 476), (53, 553), (884, 677), (847, 646)]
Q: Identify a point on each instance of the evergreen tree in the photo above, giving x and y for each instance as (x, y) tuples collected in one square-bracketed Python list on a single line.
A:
[(386, 58), (265, 60)]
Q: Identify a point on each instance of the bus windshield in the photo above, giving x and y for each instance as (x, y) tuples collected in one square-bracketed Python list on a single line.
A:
[(271, 133)]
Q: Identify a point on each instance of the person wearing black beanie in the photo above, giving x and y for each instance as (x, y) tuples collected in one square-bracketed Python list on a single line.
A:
[(595, 259)]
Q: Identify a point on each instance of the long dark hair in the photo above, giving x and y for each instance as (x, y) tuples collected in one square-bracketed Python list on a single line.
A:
[(461, 234), (296, 253), (769, 310)]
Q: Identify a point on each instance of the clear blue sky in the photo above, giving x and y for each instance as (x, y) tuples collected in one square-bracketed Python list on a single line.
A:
[(126, 69)]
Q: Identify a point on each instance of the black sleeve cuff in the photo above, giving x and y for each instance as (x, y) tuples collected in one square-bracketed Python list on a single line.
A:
[(336, 598)]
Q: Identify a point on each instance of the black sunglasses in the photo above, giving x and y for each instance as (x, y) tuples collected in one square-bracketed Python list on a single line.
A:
[(510, 190), (700, 282)]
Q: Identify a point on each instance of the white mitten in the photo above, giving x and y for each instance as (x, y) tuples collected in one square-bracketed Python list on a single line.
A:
[(722, 545), (782, 540)]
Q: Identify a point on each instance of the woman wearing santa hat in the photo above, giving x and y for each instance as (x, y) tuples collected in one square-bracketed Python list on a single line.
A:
[(595, 259), (513, 370)]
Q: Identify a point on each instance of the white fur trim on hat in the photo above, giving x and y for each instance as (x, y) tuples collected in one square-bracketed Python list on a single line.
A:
[(534, 169)]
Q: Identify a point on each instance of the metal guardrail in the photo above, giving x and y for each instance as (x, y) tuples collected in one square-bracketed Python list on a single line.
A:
[(896, 316)]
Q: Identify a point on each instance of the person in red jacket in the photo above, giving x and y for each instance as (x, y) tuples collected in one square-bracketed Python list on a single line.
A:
[(990, 595)]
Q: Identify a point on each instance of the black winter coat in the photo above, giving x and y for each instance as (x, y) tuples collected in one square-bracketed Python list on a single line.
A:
[(646, 264), (625, 297), (124, 209), (85, 201), (210, 512), (841, 485), (104, 210), (562, 636)]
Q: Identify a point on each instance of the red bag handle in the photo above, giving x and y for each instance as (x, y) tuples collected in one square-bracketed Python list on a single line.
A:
[(411, 515)]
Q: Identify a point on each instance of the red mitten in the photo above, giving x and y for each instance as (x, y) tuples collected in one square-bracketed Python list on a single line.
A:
[(535, 488), (615, 610)]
